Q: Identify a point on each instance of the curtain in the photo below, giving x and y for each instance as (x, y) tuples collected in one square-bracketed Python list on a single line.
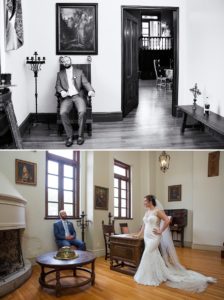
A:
[(14, 24)]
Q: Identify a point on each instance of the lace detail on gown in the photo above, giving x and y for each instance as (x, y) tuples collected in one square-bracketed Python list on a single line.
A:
[(153, 270)]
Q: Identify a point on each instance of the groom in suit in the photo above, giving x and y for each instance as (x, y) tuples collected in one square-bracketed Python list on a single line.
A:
[(65, 234), (70, 83)]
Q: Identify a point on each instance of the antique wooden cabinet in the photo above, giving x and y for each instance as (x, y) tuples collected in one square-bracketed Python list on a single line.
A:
[(7, 117), (125, 253)]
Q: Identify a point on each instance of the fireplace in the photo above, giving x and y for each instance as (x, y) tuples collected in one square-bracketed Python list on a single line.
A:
[(11, 258), (14, 270)]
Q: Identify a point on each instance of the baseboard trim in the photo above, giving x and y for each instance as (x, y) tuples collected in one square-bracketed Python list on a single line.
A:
[(51, 118), (45, 117), (48, 118), (25, 124), (98, 252), (206, 247), (107, 117), (187, 244)]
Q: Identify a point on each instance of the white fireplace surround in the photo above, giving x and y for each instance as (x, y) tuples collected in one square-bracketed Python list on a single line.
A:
[(12, 206), (12, 216)]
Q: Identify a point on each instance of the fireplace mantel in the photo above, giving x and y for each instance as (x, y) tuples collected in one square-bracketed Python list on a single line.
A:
[(12, 206)]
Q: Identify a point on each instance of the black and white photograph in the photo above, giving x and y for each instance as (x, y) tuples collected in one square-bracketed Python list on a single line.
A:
[(150, 87)]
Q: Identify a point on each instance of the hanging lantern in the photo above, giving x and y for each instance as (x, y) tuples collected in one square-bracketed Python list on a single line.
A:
[(164, 160)]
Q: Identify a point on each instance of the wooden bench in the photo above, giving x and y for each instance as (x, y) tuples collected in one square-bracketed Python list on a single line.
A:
[(212, 121)]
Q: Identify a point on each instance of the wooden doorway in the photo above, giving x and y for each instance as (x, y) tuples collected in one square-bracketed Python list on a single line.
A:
[(130, 56)]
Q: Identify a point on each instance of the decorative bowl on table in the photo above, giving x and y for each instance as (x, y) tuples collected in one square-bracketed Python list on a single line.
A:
[(66, 252)]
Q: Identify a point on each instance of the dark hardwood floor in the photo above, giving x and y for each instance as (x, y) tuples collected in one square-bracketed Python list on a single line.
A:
[(150, 126)]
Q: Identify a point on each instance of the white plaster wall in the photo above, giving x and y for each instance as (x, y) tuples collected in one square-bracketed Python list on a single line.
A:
[(205, 64), (103, 176), (208, 205), (180, 172)]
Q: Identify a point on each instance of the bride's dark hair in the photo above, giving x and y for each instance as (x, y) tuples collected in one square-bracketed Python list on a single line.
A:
[(151, 198)]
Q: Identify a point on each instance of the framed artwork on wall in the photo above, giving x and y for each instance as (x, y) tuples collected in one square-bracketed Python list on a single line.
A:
[(76, 28), (174, 193), (213, 163), (26, 172), (101, 198)]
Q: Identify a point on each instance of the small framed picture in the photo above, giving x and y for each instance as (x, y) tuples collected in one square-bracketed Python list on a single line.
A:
[(101, 198), (26, 172), (174, 193)]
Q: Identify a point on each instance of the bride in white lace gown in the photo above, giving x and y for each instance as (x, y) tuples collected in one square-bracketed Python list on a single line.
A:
[(155, 268)]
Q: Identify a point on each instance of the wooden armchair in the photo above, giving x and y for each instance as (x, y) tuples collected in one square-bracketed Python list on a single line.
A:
[(178, 223), (108, 230), (160, 79), (86, 68)]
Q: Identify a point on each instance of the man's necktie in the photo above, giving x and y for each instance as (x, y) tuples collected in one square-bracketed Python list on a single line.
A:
[(67, 233)]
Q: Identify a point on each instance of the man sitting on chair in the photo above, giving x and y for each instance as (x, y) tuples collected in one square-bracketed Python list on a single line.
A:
[(70, 83), (65, 234)]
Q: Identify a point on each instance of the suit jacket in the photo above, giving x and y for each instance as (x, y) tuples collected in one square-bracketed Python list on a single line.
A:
[(59, 231), (80, 81)]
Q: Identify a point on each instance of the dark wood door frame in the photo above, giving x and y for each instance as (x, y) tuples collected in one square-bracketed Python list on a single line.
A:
[(175, 11)]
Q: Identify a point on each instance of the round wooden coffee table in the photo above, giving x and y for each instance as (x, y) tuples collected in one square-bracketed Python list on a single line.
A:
[(47, 260)]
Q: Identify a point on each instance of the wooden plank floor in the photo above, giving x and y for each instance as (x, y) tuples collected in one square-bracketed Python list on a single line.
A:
[(111, 285), (150, 126)]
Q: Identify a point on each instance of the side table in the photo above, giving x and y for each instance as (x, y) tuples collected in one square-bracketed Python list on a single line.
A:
[(49, 261)]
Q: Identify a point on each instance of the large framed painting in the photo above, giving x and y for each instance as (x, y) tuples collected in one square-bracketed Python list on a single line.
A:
[(26, 172), (174, 193), (76, 28), (101, 198)]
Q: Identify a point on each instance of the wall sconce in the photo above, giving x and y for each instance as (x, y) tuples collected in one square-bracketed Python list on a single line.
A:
[(82, 223), (164, 160)]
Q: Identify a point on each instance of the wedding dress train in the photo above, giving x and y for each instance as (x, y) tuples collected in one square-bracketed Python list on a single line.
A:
[(155, 269)]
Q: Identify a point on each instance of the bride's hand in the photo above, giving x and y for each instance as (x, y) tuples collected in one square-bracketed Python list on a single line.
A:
[(135, 236), (156, 231)]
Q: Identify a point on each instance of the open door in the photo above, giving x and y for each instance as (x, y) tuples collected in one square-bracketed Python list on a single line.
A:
[(130, 54), (130, 63)]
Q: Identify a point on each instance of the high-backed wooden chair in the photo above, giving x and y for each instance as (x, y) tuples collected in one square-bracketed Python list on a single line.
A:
[(160, 79), (86, 68), (124, 228), (178, 223), (108, 230)]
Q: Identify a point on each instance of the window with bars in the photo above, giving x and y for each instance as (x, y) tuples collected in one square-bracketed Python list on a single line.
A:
[(122, 194), (62, 183)]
